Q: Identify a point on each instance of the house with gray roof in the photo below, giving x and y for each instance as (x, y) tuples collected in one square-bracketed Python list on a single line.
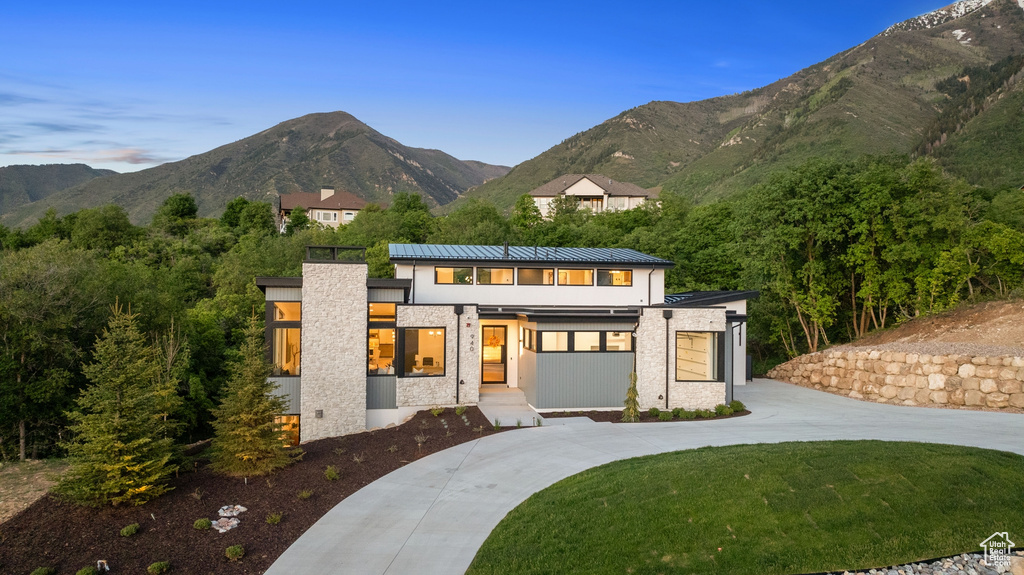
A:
[(551, 328), (595, 192)]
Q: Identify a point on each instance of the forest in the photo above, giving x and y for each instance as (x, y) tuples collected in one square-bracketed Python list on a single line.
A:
[(836, 249)]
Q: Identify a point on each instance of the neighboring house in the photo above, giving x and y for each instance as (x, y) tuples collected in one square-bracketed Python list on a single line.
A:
[(329, 207), (595, 192), (566, 326)]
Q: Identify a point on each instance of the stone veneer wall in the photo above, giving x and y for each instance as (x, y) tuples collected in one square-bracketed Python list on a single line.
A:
[(428, 391), (651, 370), (910, 378), (333, 349)]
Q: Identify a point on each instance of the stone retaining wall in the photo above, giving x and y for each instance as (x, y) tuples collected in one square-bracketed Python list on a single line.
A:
[(911, 378)]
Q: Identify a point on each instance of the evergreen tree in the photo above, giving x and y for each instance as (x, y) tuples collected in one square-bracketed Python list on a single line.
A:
[(123, 445), (631, 413), (246, 440)]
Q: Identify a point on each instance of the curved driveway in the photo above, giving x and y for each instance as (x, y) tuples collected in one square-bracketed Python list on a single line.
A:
[(432, 515)]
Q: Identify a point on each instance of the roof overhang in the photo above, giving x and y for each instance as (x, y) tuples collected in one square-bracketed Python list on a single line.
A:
[(264, 282), (706, 299), (560, 314)]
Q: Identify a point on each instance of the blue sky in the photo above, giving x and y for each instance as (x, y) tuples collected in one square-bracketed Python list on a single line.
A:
[(127, 86)]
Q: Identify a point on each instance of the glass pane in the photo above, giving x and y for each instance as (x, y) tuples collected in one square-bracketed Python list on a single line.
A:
[(695, 356), (619, 341), (382, 312), (554, 341), (575, 277), (614, 277), (381, 351), (453, 275), (587, 341), (536, 277), (287, 311), (289, 429), (494, 276), (285, 354), (424, 352)]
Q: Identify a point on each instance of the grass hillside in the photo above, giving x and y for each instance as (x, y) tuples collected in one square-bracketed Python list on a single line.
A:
[(20, 185), (330, 149), (879, 97)]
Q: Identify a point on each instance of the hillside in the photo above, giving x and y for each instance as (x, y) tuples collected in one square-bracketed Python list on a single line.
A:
[(333, 149), (21, 185), (879, 97)]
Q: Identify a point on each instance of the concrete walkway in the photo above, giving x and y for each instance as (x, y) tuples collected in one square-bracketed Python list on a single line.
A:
[(432, 515)]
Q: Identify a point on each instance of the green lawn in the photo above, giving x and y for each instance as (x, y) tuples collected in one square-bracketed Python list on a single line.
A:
[(783, 508)]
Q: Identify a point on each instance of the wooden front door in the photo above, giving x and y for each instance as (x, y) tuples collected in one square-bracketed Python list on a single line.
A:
[(495, 346)]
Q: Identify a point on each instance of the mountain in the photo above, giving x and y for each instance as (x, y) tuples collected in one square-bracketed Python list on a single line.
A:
[(883, 96), (20, 185), (329, 149)]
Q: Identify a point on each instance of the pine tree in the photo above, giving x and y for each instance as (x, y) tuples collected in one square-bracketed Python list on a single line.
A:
[(631, 413), (247, 441), (123, 443)]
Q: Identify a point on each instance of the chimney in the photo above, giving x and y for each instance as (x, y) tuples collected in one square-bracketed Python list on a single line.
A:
[(506, 250), (326, 193)]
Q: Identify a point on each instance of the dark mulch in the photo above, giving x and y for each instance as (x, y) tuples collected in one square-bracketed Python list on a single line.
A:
[(616, 416), (67, 537)]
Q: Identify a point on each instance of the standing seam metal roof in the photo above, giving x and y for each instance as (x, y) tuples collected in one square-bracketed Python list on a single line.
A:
[(441, 252)]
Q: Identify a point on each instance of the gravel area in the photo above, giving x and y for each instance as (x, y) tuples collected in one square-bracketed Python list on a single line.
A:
[(938, 348), (969, 564)]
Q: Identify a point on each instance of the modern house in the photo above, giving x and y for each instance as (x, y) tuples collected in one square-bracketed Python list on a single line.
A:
[(563, 326), (329, 207), (595, 192)]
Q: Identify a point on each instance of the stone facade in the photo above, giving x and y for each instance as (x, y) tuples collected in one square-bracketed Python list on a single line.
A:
[(911, 378), (651, 344), (334, 324), (440, 390)]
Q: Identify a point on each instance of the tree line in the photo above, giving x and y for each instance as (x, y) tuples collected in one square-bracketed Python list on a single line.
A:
[(836, 249)]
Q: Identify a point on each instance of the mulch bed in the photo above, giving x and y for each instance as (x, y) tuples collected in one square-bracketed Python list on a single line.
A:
[(616, 416), (58, 534)]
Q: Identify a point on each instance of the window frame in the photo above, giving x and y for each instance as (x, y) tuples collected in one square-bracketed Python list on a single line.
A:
[(560, 270), (401, 343), (554, 276), (530, 339), (538, 335), (472, 276), (271, 324), (490, 272), (597, 278), (378, 325)]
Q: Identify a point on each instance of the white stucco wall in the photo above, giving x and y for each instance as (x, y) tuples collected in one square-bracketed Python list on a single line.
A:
[(333, 349), (425, 291), (585, 187)]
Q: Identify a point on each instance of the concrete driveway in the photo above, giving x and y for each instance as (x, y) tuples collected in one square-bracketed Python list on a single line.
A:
[(432, 515)]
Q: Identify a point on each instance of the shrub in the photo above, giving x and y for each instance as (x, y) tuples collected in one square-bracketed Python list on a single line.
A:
[(436, 411), (687, 414), (631, 411), (392, 449), (653, 412), (158, 568), (737, 406), (44, 571), (665, 416), (202, 524), (460, 410), (235, 552), (331, 473), (130, 530), (497, 424), (720, 408), (676, 412), (90, 570), (305, 494), (705, 413), (274, 518), (726, 411)]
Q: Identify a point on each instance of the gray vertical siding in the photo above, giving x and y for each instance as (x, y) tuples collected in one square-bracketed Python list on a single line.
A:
[(528, 376), (290, 388), (581, 380), (381, 391), (386, 295)]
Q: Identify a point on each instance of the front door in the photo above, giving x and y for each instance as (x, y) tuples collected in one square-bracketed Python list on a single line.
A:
[(494, 363)]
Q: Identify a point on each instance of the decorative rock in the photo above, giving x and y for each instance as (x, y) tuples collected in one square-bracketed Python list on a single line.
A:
[(998, 400), (225, 524), (889, 391), (974, 397), (1009, 386), (966, 370), (231, 510), (939, 397), (989, 385), (953, 382), (1016, 400), (936, 381)]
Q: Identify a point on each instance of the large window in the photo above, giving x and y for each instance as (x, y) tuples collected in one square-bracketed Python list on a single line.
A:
[(536, 276), (453, 275), (696, 355), (424, 351), (287, 311), (586, 341), (285, 356), (575, 277), (381, 351), (494, 276), (382, 312), (554, 341), (614, 277)]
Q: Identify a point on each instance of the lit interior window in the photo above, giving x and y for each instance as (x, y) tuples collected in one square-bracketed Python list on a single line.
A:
[(381, 351), (619, 341), (453, 276), (382, 312), (287, 311), (536, 276), (286, 351), (554, 341), (614, 277), (586, 341), (424, 352), (494, 276), (575, 277)]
